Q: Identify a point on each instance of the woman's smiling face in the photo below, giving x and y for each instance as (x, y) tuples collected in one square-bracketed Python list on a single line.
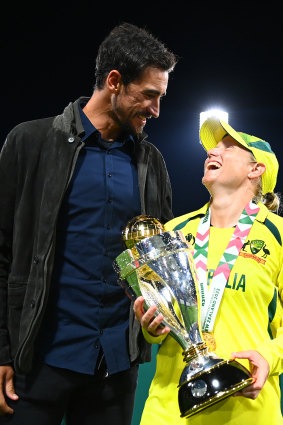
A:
[(227, 165)]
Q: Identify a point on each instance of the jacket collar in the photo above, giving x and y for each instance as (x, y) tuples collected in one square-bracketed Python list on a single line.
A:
[(78, 126)]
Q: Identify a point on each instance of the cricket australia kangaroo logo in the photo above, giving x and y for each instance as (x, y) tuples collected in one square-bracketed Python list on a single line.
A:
[(256, 246)]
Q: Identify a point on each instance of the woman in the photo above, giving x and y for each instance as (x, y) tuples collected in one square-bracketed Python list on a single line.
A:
[(240, 174)]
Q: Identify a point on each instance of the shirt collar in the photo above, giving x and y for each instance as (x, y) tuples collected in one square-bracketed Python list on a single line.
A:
[(261, 216), (263, 212), (89, 129)]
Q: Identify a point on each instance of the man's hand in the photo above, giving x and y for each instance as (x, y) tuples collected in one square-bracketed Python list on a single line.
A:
[(6, 388), (259, 371), (147, 319)]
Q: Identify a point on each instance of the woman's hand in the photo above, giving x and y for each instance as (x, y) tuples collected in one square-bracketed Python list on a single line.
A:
[(259, 371), (148, 320)]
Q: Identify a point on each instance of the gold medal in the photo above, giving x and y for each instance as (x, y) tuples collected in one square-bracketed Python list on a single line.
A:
[(210, 340)]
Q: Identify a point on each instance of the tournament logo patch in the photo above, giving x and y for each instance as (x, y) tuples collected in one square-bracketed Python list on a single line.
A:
[(206, 216)]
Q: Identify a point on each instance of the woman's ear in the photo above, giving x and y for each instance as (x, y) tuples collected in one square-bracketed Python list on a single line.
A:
[(257, 170)]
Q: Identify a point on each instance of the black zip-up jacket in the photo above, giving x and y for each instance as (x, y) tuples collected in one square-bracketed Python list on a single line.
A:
[(36, 164)]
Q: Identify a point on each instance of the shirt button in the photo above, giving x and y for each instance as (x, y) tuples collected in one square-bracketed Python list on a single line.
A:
[(109, 175), (97, 346), (35, 259), (71, 139)]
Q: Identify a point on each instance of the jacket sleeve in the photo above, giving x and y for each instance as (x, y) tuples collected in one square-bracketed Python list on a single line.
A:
[(8, 179), (155, 186), (156, 200), (166, 209)]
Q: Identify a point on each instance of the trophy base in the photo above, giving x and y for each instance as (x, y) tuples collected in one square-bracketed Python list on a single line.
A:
[(211, 386)]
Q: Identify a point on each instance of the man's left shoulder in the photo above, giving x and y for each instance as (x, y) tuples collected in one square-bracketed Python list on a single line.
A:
[(145, 144)]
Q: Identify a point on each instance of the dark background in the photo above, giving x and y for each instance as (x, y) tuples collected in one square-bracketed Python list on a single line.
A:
[(230, 57)]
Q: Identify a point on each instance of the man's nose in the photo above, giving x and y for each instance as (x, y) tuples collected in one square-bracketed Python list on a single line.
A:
[(154, 108)]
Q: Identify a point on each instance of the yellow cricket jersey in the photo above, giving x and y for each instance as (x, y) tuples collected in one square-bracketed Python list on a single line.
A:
[(249, 318)]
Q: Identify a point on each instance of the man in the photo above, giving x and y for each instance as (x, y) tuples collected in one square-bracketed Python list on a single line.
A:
[(68, 186)]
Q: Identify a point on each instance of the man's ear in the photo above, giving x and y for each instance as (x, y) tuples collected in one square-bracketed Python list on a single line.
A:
[(114, 81), (257, 170)]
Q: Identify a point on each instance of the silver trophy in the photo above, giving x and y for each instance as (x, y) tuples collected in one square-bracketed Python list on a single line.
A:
[(159, 266)]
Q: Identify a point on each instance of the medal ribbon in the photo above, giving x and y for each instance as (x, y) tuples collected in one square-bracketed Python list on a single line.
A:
[(211, 297)]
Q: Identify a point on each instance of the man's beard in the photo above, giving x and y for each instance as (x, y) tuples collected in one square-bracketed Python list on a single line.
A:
[(126, 127)]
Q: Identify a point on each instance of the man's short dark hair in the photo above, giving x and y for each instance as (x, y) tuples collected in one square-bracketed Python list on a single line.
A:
[(130, 50)]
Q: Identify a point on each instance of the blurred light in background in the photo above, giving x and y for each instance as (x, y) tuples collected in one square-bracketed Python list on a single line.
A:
[(216, 113)]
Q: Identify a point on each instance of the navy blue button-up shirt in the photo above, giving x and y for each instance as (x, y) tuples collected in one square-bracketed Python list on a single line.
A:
[(87, 308)]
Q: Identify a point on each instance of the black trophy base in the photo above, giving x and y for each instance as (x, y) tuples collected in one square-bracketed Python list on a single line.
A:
[(212, 386)]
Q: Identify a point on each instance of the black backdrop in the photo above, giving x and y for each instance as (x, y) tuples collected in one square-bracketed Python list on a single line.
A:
[(229, 58)]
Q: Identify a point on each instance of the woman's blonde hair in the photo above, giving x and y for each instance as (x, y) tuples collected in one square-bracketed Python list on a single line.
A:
[(270, 200)]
